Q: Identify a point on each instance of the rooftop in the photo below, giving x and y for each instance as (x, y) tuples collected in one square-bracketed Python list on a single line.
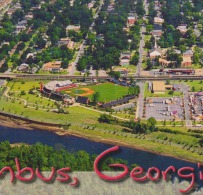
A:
[(159, 86)]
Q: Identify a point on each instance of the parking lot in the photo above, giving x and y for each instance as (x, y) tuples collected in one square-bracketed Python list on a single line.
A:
[(165, 108), (196, 106)]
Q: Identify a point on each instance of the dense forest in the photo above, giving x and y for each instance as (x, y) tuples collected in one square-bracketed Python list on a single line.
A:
[(44, 157)]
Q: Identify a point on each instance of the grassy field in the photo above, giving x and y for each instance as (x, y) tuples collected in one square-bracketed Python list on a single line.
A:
[(33, 100), (64, 72), (85, 123), (108, 91), (178, 142), (166, 94), (196, 85), (23, 85), (131, 68)]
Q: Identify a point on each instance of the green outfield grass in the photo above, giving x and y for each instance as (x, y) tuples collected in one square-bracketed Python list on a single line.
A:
[(108, 91)]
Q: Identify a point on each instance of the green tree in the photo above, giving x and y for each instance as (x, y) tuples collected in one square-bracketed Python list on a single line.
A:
[(151, 122), (134, 90), (95, 98), (171, 92), (135, 59)]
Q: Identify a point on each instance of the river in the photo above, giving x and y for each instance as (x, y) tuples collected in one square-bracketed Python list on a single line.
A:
[(73, 144)]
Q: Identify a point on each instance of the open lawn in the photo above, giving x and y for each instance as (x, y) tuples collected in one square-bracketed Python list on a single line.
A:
[(33, 100), (77, 115), (131, 68), (64, 72), (108, 91), (23, 85), (85, 123), (194, 85)]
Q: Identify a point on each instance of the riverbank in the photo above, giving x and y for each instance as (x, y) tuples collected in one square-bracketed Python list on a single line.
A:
[(16, 123)]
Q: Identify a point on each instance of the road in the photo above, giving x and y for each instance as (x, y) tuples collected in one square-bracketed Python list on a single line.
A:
[(142, 42), (140, 103), (72, 69), (185, 89)]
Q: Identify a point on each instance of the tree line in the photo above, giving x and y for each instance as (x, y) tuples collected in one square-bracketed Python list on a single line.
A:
[(44, 157)]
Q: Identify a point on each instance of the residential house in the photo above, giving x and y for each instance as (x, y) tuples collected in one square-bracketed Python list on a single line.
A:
[(91, 5), (17, 6), (182, 28), (131, 20), (31, 55), (125, 58), (20, 28), (52, 66), (177, 51), (63, 41), (23, 67), (187, 61), (110, 8), (156, 52), (11, 11), (157, 6), (5, 43), (72, 27), (71, 45), (187, 58), (36, 7), (71, 2), (188, 53), (158, 20), (29, 16), (66, 41), (157, 32)]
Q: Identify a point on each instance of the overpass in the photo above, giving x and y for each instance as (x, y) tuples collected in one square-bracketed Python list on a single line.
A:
[(66, 77)]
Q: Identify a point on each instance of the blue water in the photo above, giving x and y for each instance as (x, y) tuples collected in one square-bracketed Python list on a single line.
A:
[(73, 144)]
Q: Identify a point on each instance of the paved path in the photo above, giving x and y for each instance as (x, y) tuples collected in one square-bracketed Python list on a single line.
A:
[(142, 43), (104, 113), (124, 106), (140, 103)]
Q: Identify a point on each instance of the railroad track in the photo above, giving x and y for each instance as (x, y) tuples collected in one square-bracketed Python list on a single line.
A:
[(64, 77)]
